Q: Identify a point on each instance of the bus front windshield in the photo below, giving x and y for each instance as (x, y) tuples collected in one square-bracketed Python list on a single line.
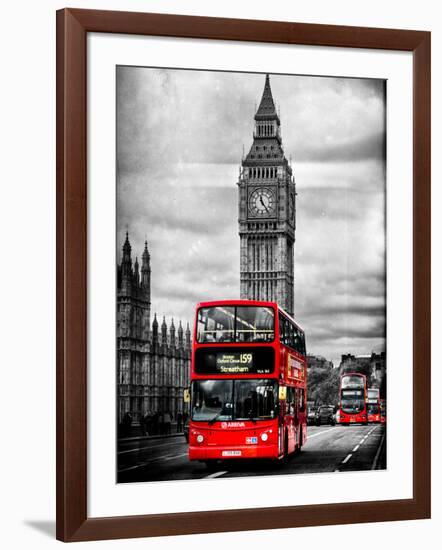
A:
[(373, 394), (373, 408), (352, 401), (236, 324), (223, 400)]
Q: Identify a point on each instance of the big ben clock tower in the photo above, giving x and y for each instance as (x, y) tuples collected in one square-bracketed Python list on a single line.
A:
[(267, 212)]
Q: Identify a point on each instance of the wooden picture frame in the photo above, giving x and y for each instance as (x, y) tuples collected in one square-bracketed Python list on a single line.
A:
[(73, 523)]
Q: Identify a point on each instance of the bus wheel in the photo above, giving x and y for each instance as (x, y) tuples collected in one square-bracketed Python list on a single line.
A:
[(211, 465)]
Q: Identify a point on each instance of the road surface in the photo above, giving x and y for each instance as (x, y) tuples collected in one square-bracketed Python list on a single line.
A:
[(328, 449)]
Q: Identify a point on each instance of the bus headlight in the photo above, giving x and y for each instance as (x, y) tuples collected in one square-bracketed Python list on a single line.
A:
[(200, 438), (264, 437)]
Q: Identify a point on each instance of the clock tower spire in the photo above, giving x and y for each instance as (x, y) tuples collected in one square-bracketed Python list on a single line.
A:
[(267, 212)]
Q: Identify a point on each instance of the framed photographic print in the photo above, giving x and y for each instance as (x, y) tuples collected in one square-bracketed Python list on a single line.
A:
[(243, 217)]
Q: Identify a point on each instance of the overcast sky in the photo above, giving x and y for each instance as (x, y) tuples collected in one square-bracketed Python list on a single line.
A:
[(180, 136)]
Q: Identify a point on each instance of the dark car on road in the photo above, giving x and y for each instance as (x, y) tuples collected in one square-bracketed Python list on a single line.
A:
[(326, 415), (312, 415)]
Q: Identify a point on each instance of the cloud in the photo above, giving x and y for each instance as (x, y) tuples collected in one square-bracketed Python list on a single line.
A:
[(180, 137), (365, 148)]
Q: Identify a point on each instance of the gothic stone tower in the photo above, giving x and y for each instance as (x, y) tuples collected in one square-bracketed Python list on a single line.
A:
[(134, 295), (267, 212), (133, 329)]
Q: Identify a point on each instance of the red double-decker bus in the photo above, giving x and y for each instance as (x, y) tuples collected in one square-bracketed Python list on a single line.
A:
[(373, 405), (383, 411), (352, 399), (248, 382)]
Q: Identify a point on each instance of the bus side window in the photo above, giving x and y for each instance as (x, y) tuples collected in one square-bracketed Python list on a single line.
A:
[(296, 339), (282, 329), (302, 343), (287, 332), (301, 401), (291, 406), (201, 326), (292, 336)]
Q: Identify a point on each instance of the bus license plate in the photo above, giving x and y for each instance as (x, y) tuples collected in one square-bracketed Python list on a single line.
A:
[(231, 453)]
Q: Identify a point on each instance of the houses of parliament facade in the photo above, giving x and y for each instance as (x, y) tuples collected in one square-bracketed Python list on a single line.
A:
[(153, 361)]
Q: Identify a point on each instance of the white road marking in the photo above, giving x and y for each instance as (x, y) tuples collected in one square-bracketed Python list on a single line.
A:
[(378, 452), (144, 448), (164, 458), (347, 458), (131, 468), (362, 441), (175, 456), (215, 474), (133, 450), (316, 435), (365, 437)]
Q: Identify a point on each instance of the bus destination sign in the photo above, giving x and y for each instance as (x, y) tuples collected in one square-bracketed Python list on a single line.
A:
[(234, 361), (351, 393)]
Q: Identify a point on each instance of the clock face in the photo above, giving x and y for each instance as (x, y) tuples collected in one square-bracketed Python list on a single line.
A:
[(262, 202)]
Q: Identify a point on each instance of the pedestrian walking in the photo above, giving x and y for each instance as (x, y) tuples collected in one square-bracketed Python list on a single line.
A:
[(155, 423), (167, 422), (142, 425), (147, 421), (127, 423)]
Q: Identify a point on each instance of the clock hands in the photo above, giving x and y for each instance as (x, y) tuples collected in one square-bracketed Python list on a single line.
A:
[(262, 202)]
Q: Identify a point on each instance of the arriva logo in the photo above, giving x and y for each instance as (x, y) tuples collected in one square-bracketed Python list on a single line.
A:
[(232, 425)]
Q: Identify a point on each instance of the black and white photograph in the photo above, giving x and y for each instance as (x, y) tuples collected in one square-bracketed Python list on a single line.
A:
[(251, 274)]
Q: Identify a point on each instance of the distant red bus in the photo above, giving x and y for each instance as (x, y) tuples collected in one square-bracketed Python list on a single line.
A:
[(248, 382), (352, 399), (383, 411), (373, 405)]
